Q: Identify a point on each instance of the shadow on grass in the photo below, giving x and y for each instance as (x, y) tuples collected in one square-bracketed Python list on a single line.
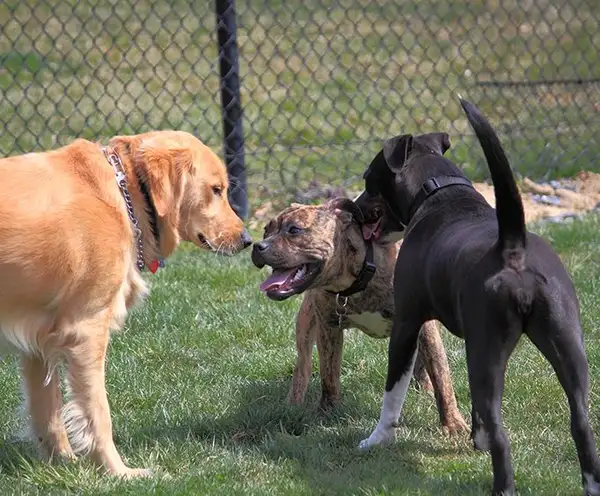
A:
[(15, 455), (323, 446)]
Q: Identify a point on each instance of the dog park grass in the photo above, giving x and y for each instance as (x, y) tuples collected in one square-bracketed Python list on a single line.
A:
[(197, 384)]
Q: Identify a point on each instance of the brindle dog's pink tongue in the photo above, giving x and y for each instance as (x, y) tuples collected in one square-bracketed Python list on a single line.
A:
[(277, 278)]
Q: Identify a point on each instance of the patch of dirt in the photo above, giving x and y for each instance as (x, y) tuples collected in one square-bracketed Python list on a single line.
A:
[(549, 200), (564, 198)]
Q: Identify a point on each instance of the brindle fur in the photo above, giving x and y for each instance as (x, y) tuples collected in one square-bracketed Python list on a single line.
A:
[(332, 236)]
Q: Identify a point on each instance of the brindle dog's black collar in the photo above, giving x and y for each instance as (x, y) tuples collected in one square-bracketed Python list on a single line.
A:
[(432, 186), (367, 271)]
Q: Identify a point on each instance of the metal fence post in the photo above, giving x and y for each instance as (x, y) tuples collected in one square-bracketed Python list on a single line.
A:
[(231, 105)]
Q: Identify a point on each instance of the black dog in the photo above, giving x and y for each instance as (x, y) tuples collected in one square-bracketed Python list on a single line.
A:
[(487, 279)]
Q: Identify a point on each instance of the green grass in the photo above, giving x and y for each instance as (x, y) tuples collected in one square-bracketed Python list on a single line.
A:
[(197, 383), (323, 82)]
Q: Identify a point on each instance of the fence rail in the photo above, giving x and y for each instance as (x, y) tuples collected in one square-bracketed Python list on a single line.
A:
[(321, 82)]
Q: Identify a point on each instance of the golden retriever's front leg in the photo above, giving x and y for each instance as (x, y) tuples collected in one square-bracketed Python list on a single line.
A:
[(87, 415), (45, 402)]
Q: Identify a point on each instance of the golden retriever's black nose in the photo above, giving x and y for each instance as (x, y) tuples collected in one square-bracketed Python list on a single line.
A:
[(246, 238)]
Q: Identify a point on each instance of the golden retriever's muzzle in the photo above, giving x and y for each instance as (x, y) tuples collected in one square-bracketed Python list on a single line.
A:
[(229, 249)]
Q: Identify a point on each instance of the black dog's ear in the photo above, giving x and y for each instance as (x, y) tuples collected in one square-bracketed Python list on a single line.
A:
[(390, 159), (396, 151), (374, 174), (436, 142), (375, 165)]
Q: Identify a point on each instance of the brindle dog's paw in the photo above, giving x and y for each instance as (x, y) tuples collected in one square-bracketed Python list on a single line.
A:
[(328, 403), (294, 399), (381, 436), (455, 424)]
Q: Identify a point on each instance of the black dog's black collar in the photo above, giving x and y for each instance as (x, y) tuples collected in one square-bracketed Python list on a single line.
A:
[(432, 186)]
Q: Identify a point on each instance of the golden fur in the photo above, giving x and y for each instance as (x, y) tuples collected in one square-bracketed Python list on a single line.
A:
[(68, 266)]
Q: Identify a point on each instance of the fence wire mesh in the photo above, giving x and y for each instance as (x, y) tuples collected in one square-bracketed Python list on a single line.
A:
[(323, 82)]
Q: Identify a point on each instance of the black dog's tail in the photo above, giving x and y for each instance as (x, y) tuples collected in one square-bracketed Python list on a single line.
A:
[(512, 238)]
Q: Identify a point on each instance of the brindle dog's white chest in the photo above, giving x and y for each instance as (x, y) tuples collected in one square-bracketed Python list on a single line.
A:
[(372, 323)]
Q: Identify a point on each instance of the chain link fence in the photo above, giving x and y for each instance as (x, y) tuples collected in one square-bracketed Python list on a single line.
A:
[(323, 82)]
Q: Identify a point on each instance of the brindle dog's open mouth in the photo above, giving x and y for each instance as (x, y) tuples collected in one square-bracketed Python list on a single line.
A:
[(286, 282)]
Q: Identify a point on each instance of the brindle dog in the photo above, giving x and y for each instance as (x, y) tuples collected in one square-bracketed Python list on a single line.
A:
[(318, 251)]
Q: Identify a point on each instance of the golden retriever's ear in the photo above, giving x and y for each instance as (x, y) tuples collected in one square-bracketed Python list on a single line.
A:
[(182, 160), (123, 141), (157, 163), (165, 169)]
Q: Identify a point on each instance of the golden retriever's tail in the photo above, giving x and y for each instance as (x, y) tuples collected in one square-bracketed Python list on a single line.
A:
[(512, 235)]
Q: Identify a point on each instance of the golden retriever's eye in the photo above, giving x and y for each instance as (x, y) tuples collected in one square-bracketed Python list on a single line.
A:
[(293, 230), (217, 190)]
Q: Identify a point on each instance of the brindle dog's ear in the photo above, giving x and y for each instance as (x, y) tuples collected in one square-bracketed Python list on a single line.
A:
[(436, 142), (397, 150), (346, 209)]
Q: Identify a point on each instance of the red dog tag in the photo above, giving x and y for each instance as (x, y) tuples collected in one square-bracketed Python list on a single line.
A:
[(154, 265)]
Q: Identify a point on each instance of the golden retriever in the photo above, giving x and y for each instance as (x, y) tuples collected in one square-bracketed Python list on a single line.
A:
[(70, 254)]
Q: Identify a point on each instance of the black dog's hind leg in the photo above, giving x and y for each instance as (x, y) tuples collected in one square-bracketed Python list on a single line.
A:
[(563, 346), (402, 353), (488, 350)]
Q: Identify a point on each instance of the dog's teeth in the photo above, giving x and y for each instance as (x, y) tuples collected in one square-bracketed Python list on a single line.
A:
[(300, 273)]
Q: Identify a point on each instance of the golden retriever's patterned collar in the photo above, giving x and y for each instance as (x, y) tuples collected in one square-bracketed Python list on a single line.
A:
[(115, 162)]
